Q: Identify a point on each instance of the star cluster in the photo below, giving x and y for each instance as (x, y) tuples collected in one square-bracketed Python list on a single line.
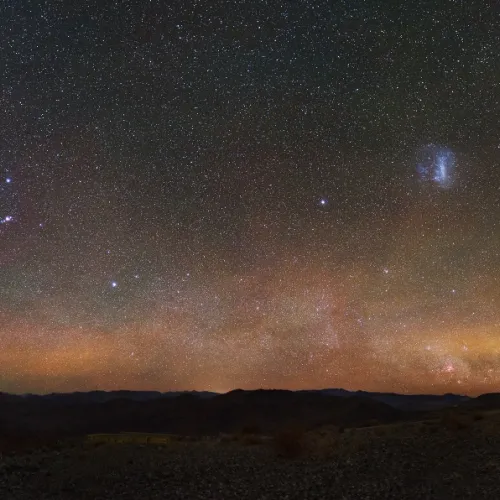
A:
[(199, 196)]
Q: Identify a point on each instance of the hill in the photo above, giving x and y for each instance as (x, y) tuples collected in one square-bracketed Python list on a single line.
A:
[(207, 413)]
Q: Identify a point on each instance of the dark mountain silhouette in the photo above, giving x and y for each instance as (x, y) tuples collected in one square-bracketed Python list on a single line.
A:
[(489, 401), (412, 402), (407, 402), (206, 413), (189, 413), (104, 396)]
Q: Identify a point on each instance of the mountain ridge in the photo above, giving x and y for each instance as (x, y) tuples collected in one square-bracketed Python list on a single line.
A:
[(396, 400)]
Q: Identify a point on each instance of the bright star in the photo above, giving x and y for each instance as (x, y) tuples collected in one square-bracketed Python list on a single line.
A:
[(8, 180), (8, 218), (114, 284)]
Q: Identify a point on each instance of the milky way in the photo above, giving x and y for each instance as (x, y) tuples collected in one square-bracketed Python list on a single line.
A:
[(283, 194)]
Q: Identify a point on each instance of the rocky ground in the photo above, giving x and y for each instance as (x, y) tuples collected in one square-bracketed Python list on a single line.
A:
[(384, 463)]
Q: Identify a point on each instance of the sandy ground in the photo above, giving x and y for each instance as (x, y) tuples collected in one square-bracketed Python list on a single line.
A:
[(414, 462)]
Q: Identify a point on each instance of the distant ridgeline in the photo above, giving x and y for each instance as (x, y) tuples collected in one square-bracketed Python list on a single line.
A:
[(399, 401)]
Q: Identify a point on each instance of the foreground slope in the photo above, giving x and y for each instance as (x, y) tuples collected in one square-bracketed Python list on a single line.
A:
[(402, 461)]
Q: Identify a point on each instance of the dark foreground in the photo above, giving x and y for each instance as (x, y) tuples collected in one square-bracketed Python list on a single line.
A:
[(405, 462)]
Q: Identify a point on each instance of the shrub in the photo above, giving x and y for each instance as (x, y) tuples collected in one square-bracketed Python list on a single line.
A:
[(289, 442), (251, 439), (226, 438), (432, 429), (251, 428), (324, 442), (455, 422)]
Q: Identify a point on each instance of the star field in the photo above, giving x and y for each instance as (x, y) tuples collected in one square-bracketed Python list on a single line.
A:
[(204, 195)]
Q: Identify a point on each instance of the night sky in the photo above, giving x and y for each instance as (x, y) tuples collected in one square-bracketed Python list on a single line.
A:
[(219, 194)]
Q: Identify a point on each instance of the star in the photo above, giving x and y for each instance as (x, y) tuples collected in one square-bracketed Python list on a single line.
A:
[(264, 204)]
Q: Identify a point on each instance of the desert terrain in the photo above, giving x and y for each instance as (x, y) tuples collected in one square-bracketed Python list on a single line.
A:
[(451, 452)]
